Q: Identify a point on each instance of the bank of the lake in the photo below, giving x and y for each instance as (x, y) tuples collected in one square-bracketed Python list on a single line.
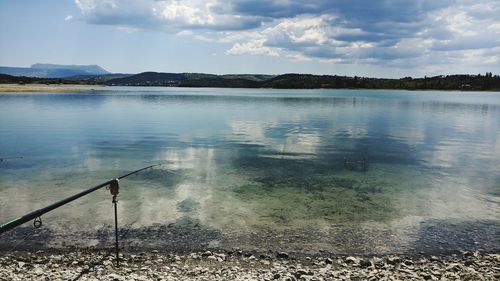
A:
[(239, 265), (50, 88)]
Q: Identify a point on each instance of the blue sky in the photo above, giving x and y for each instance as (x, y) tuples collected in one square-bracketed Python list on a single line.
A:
[(385, 38)]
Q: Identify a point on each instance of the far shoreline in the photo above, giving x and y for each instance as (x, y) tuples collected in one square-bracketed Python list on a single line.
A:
[(87, 88), (50, 88)]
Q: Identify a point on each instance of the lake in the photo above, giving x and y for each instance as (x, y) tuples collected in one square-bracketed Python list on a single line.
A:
[(406, 168)]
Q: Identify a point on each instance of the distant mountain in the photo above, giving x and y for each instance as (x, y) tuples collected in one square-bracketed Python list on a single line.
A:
[(53, 70)]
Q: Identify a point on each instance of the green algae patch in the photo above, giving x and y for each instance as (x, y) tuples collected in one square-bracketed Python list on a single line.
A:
[(291, 206), (284, 198)]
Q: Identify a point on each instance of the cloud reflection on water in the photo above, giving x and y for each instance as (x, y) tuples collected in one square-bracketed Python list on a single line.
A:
[(423, 147)]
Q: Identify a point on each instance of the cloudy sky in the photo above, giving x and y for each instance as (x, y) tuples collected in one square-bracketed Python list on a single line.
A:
[(386, 38)]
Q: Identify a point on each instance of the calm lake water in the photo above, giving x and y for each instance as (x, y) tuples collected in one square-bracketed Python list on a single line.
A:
[(249, 159)]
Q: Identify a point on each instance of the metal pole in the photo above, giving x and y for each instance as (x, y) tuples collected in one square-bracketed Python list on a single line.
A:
[(114, 189), (116, 231)]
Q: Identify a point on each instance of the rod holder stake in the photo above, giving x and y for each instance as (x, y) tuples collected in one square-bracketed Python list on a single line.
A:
[(114, 188)]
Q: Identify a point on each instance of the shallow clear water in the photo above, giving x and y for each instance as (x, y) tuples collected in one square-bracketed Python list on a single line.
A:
[(251, 159)]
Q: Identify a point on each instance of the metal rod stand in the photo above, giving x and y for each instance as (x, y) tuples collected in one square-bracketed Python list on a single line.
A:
[(116, 232)]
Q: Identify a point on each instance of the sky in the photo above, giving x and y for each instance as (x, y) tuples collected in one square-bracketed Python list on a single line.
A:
[(384, 38)]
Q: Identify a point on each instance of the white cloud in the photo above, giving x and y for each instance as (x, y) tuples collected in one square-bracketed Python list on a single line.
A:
[(403, 34), (298, 57), (68, 18), (296, 145), (169, 15), (255, 47), (185, 33), (445, 36)]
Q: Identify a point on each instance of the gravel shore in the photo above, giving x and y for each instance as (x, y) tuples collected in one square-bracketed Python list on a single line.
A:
[(238, 265)]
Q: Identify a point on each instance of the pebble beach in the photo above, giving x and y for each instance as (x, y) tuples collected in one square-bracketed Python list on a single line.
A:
[(239, 265)]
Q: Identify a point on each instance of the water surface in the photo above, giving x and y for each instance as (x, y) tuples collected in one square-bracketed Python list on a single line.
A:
[(241, 160)]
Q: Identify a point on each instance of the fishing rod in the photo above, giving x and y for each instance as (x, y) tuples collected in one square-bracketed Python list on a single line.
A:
[(36, 214)]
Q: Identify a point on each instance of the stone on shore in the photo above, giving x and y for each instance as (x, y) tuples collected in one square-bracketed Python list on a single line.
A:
[(211, 265)]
